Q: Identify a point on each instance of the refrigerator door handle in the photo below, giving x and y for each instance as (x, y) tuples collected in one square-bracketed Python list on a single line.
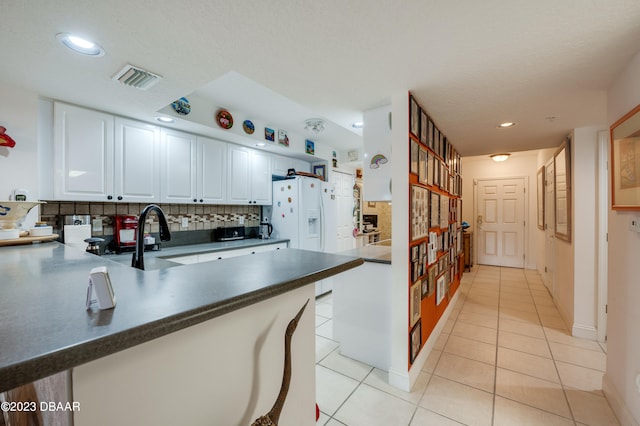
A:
[(322, 220)]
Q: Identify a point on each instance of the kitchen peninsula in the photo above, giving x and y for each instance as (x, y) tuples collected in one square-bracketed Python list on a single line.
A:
[(362, 307), (192, 344)]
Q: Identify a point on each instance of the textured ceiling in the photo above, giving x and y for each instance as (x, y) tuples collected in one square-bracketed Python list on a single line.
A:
[(471, 64)]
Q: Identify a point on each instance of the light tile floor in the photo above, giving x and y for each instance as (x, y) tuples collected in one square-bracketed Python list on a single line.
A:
[(504, 357)]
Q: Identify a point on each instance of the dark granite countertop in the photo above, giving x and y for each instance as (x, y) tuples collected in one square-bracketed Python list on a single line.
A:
[(157, 259), (371, 253), (45, 328)]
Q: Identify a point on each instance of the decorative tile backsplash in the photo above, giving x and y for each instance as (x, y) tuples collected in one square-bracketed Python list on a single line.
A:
[(201, 217)]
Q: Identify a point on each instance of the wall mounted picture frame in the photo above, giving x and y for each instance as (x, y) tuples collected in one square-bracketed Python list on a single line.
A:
[(283, 137), (625, 161), (430, 134), (414, 157), (414, 117), (422, 166), (415, 298), (423, 127), (540, 196), (562, 190), (269, 134), (309, 147), (441, 289), (419, 212), (415, 339), (320, 170), (424, 287)]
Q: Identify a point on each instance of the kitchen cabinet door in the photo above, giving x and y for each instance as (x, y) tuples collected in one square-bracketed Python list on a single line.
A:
[(211, 171), (261, 186), (249, 176), (137, 162), (178, 165), (82, 154), (239, 183)]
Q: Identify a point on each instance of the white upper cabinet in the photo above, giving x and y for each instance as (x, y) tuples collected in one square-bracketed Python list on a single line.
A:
[(178, 165), (261, 186), (137, 161), (82, 154), (281, 165), (249, 176), (211, 183)]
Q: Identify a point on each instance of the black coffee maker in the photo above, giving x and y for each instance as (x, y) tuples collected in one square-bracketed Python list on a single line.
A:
[(265, 229)]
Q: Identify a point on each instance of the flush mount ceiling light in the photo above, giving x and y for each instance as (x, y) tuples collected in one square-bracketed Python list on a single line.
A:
[(315, 125), (80, 45), (506, 125), (165, 119), (500, 157), (357, 125)]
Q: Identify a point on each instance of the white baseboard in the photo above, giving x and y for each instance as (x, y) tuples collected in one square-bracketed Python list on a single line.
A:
[(404, 380), (584, 332), (617, 403)]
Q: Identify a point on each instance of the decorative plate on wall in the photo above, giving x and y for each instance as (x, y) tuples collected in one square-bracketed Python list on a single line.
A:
[(224, 119), (181, 106), (248, 127)]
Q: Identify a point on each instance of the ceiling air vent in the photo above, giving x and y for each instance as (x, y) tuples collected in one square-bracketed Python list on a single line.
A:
[(136, 77)]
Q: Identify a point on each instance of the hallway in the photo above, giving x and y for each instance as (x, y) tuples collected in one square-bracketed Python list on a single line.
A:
[(504, 358)]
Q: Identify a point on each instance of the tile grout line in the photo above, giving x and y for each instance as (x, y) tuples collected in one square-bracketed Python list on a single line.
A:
[(495, 370), (555, 365)]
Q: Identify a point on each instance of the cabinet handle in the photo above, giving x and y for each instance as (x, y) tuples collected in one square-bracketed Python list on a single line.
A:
[(220, 258), (120, 197), (195, 200), (201, 200), (109, 197)]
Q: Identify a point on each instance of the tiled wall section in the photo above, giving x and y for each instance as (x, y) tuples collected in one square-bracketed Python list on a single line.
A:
[(201, 217)]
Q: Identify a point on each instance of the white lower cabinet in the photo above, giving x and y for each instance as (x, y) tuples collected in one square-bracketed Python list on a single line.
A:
[(218, 255)]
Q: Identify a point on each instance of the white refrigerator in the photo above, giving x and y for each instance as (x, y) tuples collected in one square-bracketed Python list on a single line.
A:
[(305, 211)]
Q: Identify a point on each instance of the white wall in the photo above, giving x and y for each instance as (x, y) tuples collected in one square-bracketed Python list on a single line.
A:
[(19, 165), (623, 347), (520, 164), (584, 182)]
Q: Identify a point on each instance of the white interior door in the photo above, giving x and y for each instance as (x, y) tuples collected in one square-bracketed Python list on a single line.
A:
[(549, 226), (500, 222), (344, 194)]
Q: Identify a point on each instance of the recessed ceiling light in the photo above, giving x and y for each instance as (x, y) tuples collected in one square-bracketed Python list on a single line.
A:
[(500, 157), (357, 125), (80, 45), (165, 119), (506, 125)]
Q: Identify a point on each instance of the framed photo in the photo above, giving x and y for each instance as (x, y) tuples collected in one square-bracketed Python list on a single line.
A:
[(625, 162), (435, 210), (436, 140), (283, 138), (430, 134), (309, 147), (431, 278), (541, 192), (441, 289), (415, 253), (415, 338), (415, 148), (320, 170), (562, 183), (430, 158), (415, 297), (419, 212), (424, 287), (269, 134), (422, 166), (423, 127), (414, 117)]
